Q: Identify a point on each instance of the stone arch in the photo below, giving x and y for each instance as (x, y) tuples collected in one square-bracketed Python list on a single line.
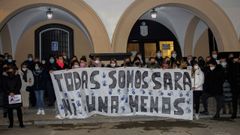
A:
[(189, 36), (78, 9), (206, 10)]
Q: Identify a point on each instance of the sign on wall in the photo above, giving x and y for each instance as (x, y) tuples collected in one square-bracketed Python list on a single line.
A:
[(123, 92)]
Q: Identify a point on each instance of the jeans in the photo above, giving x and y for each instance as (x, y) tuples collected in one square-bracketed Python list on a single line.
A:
[(39, 98)]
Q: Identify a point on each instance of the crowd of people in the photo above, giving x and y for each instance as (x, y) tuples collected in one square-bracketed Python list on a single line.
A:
[(214, 76)]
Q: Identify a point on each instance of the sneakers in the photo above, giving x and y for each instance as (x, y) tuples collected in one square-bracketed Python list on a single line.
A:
[(196, 116), (40, 111), (59, 116)]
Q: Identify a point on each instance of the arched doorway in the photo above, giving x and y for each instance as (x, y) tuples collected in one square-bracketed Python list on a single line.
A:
[(214, 17), (53, 40), (155, 37), (77, 9)]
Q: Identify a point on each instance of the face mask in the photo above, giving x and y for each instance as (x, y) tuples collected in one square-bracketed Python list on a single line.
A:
[(224, 64), (24, 69), (113, 65), (51, 61), (196, 67), (97, 61), (214, 56), (159, 55), (10, 60), (43, 62), (37, 67), (82, 64), (137, 63), (65, 57), (10, 74), (174, 55), (76, 66), (212, 68), (30, 59)]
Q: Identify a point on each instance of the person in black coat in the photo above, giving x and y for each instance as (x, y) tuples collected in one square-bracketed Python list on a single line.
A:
[(214, 79), (234, 71), (12, 85)]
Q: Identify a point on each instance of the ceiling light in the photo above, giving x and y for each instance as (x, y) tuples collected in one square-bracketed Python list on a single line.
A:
[(153, 13), (49, 13)]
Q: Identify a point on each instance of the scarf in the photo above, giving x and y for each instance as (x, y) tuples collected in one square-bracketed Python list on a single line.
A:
[(60, 64)]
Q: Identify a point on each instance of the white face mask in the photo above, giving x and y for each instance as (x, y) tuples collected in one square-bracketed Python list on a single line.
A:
[(113, 65), (43, 62), (224, 64), (97, 61), (159, 55), (24, 69), (214, 56), (212, 68), (196, 67), (30, 59), (76, 66), (174, 55)]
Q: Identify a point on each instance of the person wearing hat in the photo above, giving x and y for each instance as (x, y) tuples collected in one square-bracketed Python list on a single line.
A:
[(214, 79)]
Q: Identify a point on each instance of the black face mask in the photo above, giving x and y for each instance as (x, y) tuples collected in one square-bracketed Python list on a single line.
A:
[(137, 63), (10, 74)]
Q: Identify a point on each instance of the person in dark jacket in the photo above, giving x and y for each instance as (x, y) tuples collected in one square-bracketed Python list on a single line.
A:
[(51, 66), (12, 86), (39, 86), (214, 79), (234, 71)]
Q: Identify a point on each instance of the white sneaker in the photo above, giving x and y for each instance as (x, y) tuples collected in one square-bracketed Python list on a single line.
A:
[(197, 116), (39, 112), (42, 112), (59, 116)]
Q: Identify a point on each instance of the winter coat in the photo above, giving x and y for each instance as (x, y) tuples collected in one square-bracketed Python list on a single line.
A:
[(214, 81), (12, 85), (26, 83), (39, 80), (198, 80), (234, 76)]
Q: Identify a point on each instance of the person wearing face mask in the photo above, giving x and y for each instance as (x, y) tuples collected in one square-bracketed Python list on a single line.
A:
[(83, 62), (60, 63), (127, 62), (75, 64), (137, 62), (27, 80), (12, 86), (11, 62), (234, 79), (173, 57), (197, 78), (139, 56), (113, 63), (39, 87), (152, 63), (51, 66), (29, 62), (214, 79), (98, 62), (159, 57), (215, 56), (227, 107)]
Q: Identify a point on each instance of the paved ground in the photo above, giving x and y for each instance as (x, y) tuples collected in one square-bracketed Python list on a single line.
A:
[(101, 125), (157, 127)]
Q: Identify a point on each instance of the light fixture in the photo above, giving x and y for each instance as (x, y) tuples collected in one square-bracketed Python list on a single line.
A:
[(49, 13), (153, 13)]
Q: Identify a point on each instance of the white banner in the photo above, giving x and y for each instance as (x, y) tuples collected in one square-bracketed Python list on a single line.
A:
[(123, 92)]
